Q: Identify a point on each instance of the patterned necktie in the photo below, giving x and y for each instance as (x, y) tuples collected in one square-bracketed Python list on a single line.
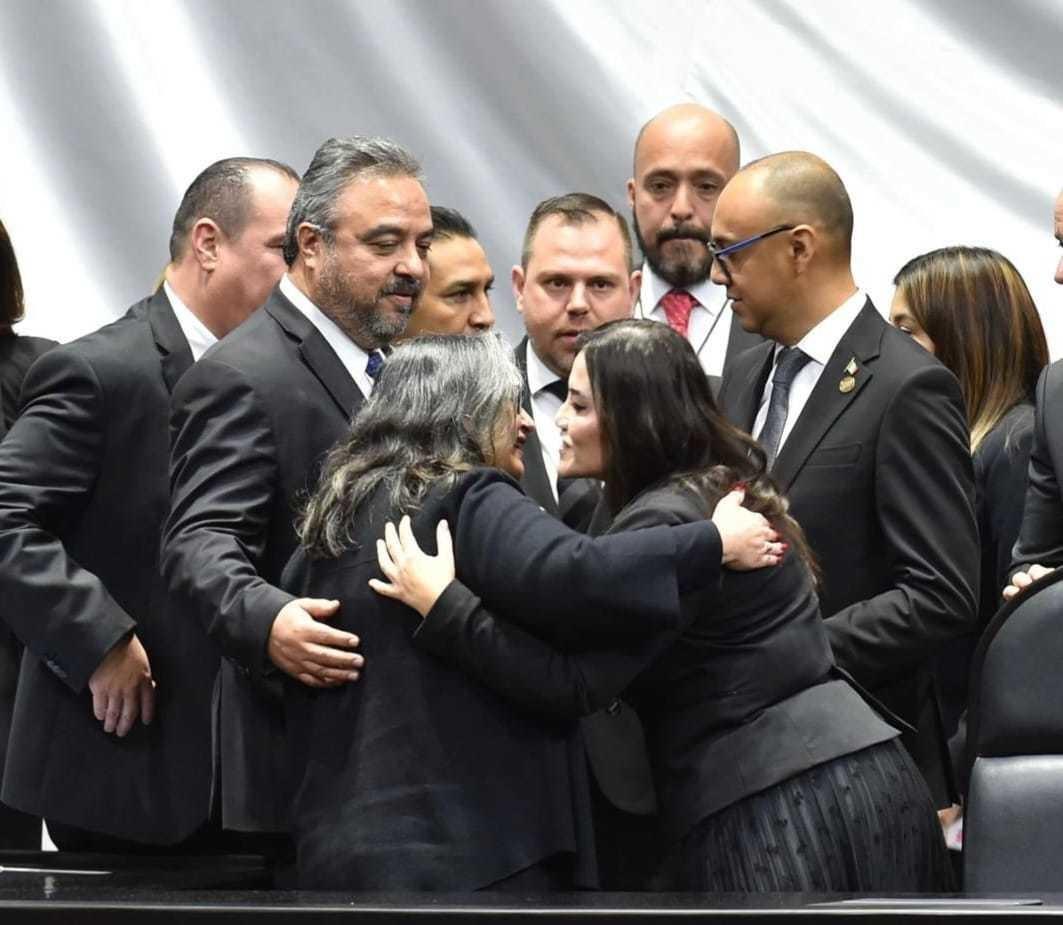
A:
[(677, 305), (374, 364), (788, 364)]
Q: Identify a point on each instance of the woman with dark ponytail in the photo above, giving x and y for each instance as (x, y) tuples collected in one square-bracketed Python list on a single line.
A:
[(772, 773)]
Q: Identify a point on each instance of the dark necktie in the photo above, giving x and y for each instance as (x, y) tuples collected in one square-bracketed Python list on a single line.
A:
[(374, 364), (677, 305), (788, 364), (557, 388)]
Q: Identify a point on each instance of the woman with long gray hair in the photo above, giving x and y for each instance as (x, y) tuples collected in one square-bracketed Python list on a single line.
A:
[(415, 776)]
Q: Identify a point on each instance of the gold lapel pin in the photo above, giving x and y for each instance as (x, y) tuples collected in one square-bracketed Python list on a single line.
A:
[(848, 382)]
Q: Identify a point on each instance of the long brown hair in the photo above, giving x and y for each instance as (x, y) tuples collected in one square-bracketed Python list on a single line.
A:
[(975, 307), (659, 423)]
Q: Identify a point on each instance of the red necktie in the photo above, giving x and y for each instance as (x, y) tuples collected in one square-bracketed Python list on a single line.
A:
[(677, 305)]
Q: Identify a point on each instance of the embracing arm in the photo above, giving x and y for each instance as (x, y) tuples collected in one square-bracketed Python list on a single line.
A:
[(925, 509), (224, 475)]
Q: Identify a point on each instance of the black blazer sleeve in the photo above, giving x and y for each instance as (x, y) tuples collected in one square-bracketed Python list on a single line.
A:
[(569, 588), (49, 462), (925, 508), (222, 478), (1041, 536)]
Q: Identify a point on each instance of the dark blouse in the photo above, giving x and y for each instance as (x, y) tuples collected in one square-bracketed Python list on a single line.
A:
[(17, 354), (743, 695)]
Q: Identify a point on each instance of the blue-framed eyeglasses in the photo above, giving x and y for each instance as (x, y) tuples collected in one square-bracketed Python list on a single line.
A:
[(721, 253)]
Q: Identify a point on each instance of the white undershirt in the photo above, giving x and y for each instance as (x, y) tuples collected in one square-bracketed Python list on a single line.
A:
[(819, 344), (199, 336), (353, 357), (712, 305), (544, 412)]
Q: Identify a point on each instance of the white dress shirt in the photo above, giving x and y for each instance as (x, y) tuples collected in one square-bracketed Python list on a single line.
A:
[(544, 412), (198, 335), (353, 357), (818, 344), (710, 320)]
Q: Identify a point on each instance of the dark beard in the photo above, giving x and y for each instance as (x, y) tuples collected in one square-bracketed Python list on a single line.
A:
[(680, 275), (363, 320)]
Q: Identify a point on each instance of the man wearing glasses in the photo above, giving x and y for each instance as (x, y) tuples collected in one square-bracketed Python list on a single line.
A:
[(863, 430), (683, 157)]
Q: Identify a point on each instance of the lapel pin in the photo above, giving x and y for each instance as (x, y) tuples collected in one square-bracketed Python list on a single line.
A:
[(848, 382)]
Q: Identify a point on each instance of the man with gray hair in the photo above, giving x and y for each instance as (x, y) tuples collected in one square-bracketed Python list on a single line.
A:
[(250, 426)]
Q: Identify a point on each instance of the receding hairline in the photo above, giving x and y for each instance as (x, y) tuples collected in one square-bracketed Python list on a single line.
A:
[(689, 112), (803, 188)]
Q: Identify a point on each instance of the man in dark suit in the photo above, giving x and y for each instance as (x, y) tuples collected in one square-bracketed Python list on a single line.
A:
[(683, 157), (83, 491), (574, 275), (1039, 548), (864, 431), (251, 423)]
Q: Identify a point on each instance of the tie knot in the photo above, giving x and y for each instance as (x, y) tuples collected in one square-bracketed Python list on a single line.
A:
[(558, 388), (677, 305), (790, 361), (374, 364)]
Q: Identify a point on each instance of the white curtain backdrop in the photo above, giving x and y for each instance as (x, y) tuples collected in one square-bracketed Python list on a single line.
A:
[(943, 117)]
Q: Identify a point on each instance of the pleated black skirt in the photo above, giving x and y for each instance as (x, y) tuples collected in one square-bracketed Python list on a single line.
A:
[(862, 823)]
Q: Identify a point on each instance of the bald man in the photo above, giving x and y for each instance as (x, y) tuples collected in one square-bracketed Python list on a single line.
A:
[(683, 157), (865, 433)]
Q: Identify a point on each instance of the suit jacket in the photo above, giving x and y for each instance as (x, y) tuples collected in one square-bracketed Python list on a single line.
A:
[(16, 356), (1041, 536), (880, 478), (83, 494), (739, 697), (251, 424)]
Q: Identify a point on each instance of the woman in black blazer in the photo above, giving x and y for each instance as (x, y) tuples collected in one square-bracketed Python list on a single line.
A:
[(971, 308), (772, 773), (415, 777), (17, 353)]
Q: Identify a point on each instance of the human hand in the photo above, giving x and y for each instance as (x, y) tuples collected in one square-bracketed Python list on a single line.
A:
[(1021, 580), (122, 688), (749, 541), (414, 577), (302, 646)]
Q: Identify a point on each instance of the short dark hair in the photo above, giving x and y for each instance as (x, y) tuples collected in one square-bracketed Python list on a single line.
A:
[(222, 193), (450, 223), (335, 164), (12, 307), (574, 209)]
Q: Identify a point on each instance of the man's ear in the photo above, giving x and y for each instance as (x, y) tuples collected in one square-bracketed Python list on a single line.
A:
[(312, 244), (803, 244), (205, 242), (634, 284), (517, 278), (631, 192)]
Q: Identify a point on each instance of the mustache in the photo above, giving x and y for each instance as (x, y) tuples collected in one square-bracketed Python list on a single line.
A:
[(402, 286), (682, 231)]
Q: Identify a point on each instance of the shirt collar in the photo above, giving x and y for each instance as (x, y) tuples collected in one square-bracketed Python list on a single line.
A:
[(823, 339), (353, 357), (710, 296), (539, 374), (199, 336)]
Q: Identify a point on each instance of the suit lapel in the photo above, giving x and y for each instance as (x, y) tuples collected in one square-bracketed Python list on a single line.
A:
[(860, 345), (745, 385), (175, 355), (317, 354), (536, 482)]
